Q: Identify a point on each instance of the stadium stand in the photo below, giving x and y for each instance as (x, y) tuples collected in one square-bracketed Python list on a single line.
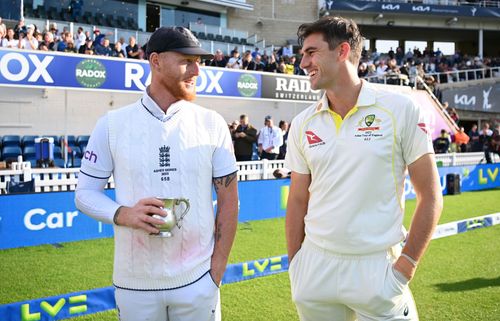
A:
[(28, 140), (11, 152), (11, 140)]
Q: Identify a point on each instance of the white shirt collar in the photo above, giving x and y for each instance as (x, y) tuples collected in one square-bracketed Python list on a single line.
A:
[(152, 107)]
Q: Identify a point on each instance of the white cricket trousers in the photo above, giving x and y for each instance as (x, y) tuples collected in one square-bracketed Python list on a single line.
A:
[(330, 286), (198, 301)]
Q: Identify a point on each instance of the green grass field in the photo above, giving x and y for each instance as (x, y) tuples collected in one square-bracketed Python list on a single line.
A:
[(459, 278)]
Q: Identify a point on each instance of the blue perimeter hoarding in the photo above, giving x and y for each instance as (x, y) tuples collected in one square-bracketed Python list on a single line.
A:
[(46, 218), (412, 8), (32, 69)]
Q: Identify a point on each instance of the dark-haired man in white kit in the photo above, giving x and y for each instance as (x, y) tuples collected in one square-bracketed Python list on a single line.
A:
[(348, 154), (165, 146)]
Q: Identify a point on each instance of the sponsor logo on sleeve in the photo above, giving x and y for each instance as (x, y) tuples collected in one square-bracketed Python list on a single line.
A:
[(313, 139)]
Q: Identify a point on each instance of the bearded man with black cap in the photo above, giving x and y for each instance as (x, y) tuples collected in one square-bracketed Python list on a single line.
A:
[(165, 150)]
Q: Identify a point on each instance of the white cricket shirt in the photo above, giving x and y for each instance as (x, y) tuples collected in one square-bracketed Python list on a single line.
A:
[(155, 154), (357, 167)]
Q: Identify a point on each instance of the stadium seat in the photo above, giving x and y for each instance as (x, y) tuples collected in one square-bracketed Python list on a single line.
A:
[(41, 12), (202, 36), (52, 13), (29, 152), (227, 39), (82, 140), (32, 161), (76, 163), (90, 18), (235, 40), (121, 23), (210, 36), (131, 23), (85, 17), (59, 162), (28, 11), (112, 21), (11, 152), (77, 150), (243, 42), (71, 140), (99, 18), (57, 152), (219, 38), (11, 140), (66, 15), (28, 140)]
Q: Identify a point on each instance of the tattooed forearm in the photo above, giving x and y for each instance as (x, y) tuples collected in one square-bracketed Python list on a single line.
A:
[(224, 181), (218, 232)]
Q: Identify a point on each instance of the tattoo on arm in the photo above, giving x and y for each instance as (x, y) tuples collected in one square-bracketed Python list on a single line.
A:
[(218, 232), (224, 181)]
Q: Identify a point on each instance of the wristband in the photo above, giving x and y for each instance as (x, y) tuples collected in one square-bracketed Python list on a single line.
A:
[(409, 259), (115, 217)]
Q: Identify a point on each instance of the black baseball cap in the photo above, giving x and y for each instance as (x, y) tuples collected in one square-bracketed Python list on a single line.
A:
[(178, 39)]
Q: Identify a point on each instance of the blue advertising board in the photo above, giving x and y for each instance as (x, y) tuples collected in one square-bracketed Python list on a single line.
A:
[(82, 72), (45, 218), (412, 8)]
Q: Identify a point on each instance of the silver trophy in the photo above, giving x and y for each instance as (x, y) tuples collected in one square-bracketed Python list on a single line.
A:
[(174, 217)]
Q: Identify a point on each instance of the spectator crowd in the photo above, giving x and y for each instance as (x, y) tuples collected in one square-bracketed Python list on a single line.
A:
[(396, 65), (30, 37), (267, 143)]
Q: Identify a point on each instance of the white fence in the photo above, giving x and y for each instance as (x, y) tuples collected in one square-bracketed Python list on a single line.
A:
[(65, 179)]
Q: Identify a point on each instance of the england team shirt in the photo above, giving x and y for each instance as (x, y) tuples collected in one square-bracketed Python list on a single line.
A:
[(357, 167), (169, 155)]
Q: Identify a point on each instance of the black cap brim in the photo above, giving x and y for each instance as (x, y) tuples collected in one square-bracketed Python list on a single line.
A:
[(194, 51)]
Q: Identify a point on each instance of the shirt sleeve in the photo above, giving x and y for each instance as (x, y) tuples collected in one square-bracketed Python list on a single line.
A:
[(260, 139), (91, 199), (416, 137), (97, 160), (294, 158), (97, 167), (278, 138), (223, 159)]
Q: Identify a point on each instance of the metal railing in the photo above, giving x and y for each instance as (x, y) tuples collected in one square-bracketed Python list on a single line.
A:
[(450, 76), (113, 34), (65, 179), (216, 30), (465, 75)]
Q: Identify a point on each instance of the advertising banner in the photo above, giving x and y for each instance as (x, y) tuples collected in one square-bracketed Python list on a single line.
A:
[(295, 88), (485, 97), (411, 8), (47, 218), (71, 71)]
